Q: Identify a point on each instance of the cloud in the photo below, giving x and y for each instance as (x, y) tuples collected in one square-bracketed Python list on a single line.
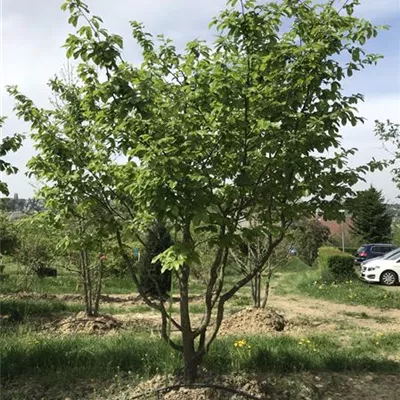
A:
[(377, 9)]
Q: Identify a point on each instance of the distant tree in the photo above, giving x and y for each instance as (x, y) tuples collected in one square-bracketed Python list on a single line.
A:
[(396, 234), (154, 282), (8, 236), (9, 143), (36, 243), (389, 134), (371, 219), (309, 237)]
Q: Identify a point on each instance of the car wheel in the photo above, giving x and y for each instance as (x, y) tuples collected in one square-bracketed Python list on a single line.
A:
[(388, 278)]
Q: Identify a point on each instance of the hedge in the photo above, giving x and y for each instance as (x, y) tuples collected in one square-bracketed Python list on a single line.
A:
[(335, 265)]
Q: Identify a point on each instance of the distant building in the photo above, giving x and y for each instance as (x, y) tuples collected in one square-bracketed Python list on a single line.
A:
[(335, 227)]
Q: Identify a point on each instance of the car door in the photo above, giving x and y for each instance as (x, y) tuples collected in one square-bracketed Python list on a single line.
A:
[(386, 249), (376, 251), (396, 266)]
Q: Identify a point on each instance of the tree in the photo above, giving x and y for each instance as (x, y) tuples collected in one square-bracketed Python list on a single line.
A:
[(389, 134), (247, 257), (204, 140), (309, 237), (9, 143), (371, 219), (152, 281), (8, 235), (37, 241), (82, 248)]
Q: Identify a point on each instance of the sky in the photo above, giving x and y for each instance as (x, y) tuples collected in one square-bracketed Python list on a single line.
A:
[(33, 32)]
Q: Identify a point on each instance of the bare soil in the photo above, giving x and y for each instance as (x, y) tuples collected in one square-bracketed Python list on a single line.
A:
[(300, 386), (252, 321), (81, 323), (303, 386), (326, 315)]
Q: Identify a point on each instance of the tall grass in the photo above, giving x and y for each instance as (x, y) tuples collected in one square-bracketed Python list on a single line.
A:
[(64, 283), (82, 356), (21, 308), (282, 354)]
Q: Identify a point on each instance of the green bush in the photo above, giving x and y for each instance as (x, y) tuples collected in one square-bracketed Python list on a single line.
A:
[(341, 267), (349, 250), (335, 266), (152, 280), (323, 255)]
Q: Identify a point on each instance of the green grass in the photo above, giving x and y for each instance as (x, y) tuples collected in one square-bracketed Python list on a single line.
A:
[(64, 283), (35, 355), (282, 354), (80, 355), (294, 265), (364, 315), (21, 308), (353, 292)]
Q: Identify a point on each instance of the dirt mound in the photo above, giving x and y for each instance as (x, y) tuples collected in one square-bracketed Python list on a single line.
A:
[(81, 323), (235, 386), (253, 321)]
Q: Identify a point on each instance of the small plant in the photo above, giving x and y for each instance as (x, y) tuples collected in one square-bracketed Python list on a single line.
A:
[(243, 353)]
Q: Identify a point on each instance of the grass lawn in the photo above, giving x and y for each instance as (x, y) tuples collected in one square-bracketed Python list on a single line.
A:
[(65, 283), (35, 354), (356, 292)]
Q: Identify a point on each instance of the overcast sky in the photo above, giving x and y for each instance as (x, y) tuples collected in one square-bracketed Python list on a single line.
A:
[(34, 31)]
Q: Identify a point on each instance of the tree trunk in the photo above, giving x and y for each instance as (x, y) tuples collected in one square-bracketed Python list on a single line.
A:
[(253, 291), (189, 354), (191, 362), (259, 290), (98, 289), (256, 290), (267, 286), (87, 289)]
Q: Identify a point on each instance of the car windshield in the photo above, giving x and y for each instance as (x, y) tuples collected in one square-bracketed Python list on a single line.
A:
[(392, 255), (361, 249)]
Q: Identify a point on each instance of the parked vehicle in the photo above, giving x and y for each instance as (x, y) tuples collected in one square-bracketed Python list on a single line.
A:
[(385, 271), (368, 251), (389, 255)]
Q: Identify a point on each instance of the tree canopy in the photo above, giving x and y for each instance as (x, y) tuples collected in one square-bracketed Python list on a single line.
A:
[(8, 143), (371, 219), (204, 139), (389, 133)]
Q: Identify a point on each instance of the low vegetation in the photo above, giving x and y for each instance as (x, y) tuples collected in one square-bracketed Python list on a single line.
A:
[(338, 283), (33, 354)]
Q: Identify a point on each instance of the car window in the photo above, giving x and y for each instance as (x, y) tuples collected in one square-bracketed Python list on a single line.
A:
[(386, 249), (391, 254), (375, 249)]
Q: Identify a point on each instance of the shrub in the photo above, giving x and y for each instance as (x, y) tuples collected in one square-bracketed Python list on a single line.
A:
[(349, 250), (323, 255), (339, 268), (153, 282)]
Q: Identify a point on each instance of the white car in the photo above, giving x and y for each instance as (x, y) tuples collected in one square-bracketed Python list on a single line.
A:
[(389, 255), (383, 270)]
